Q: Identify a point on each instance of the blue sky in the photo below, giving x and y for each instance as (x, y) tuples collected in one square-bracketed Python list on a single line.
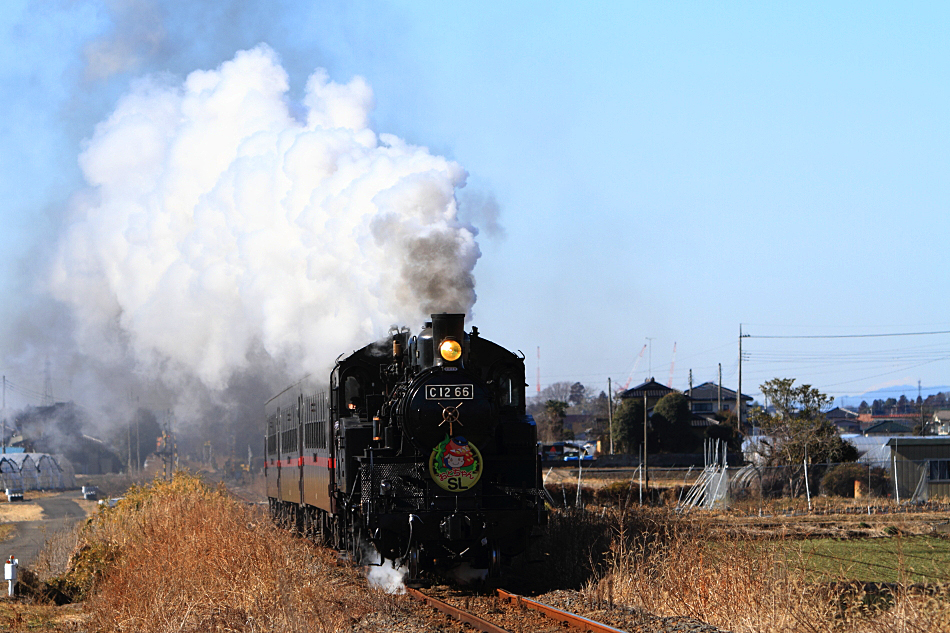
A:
[(662, 171)]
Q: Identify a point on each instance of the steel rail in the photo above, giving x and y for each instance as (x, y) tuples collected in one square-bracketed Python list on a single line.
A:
[(462, 616), (564, 617)]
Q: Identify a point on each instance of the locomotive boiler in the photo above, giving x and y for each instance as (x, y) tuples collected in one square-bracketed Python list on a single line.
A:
[(418, 445)]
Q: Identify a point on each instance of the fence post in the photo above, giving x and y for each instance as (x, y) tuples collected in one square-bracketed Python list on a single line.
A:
[(807, 489), (897, 488)]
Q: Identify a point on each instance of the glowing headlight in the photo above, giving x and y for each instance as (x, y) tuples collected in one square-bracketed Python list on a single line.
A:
[(450, 350)]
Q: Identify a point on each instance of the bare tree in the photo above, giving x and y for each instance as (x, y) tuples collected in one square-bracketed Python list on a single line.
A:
[(560, 391)]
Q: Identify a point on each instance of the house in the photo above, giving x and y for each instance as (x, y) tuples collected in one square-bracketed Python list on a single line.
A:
[(710, 397), (868, 421), (704, 400), (920, 467), (846, 421), (889, 427), (650, 389), (585, 427), (940, 424)]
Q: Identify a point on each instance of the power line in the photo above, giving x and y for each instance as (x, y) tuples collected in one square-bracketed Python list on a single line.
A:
[(799, 336)]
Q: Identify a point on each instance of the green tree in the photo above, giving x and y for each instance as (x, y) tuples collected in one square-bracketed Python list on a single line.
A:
[(551, 421), (628, 426), (798, 427), (727, 430), (670, 422), (578, 394)]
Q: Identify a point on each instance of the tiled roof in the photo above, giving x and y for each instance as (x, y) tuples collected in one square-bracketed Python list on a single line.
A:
[(710, 391), (650, 389)]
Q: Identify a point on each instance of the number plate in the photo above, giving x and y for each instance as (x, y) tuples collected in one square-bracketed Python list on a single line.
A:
[(449, 392)]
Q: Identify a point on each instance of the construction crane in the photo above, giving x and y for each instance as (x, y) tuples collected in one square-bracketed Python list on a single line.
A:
[(633, 371)]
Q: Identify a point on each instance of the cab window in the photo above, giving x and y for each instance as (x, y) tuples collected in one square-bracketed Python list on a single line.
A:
[(354, 398)]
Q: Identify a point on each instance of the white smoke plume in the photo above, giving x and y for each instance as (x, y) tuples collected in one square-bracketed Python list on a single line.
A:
[(383, 574), (224, 230)]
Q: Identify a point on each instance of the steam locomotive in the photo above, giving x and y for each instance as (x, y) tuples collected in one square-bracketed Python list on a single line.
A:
[(419, 446)]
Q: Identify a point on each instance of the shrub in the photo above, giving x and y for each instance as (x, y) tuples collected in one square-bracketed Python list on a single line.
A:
[(839, 480), (183, 556)]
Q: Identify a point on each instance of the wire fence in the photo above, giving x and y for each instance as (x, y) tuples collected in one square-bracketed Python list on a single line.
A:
[(883, 485)]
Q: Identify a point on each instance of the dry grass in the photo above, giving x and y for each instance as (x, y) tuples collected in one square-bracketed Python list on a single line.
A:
[(22, 511), (180, 556), (740, 584)]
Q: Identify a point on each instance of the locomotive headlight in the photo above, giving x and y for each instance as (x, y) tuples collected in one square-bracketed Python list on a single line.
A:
[(450, 350)]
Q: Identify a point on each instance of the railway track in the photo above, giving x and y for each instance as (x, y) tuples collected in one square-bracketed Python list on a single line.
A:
[(506, 612), (513, 611)]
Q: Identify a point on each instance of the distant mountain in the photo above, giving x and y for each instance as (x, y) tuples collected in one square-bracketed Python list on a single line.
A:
[(889, 392)]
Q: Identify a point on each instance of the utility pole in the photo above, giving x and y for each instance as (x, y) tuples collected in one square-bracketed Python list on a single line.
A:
[(719, 391), (610, 413), (47, 386), (650, 339), (4, 438), (739, 390), (539, 372), (690, 383), (646, 473), (128, 434)]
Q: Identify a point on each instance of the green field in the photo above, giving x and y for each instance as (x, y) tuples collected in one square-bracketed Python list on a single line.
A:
[(917, 559)]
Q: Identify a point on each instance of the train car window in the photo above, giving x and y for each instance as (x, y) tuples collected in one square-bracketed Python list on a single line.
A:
[(315, 425), (321, 404), (272, 436), (309, 423), (288, 439)]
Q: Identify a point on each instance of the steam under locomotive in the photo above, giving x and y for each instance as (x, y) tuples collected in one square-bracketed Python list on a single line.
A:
[(419, 445)]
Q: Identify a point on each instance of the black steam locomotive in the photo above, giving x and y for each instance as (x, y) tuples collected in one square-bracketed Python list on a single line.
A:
[(419, 446)]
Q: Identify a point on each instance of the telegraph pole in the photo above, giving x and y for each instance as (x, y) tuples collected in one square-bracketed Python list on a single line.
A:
[(610, 414), (719, 391), (47, 385), (128, 431), (539, 373), (650, 339), (646, 473), (739, 390)]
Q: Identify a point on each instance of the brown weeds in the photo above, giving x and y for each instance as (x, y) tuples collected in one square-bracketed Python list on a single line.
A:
[(179, 556), (683, 567)]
